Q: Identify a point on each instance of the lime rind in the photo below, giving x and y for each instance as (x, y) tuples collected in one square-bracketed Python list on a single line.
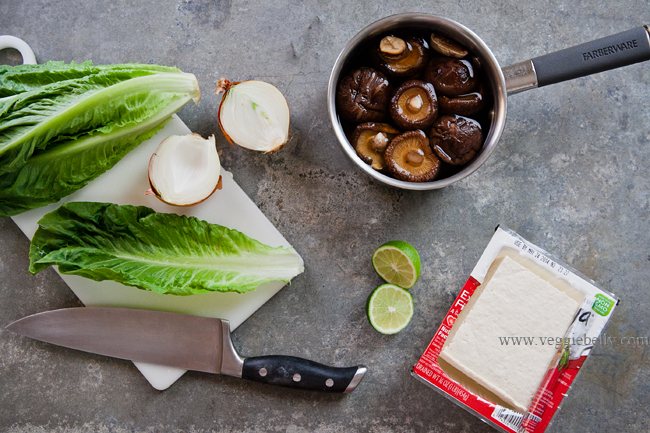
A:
[(397, 262), (389, 309)]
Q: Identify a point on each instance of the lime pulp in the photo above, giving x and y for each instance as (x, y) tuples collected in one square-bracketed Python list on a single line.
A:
[(389, 308), (397, 262)]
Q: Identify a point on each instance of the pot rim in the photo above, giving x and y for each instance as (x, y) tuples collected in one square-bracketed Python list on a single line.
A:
[(466, 37)]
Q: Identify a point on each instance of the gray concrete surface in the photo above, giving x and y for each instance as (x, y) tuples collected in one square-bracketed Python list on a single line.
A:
[(570, 174)]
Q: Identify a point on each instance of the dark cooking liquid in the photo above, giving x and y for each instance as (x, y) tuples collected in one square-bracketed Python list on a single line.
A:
[(361, 57)]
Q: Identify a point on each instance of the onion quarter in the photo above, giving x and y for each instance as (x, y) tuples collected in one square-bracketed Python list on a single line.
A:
[(184, 170), (253, 114)]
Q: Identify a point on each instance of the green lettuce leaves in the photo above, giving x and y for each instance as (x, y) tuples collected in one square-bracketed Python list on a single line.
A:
[(21, 78), (164, 253), (62, 125)]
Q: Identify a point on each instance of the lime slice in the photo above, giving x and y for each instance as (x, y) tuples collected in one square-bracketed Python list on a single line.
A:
[(389, 308), (397, 262)]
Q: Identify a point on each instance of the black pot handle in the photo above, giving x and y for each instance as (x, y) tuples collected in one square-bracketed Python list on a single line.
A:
[(603, 54), (301, 373)]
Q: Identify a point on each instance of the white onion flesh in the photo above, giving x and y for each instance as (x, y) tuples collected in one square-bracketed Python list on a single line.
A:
[(255, 115), (185, 169)]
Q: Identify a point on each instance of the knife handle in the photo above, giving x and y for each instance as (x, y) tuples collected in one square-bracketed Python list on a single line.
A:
[(301, 373)]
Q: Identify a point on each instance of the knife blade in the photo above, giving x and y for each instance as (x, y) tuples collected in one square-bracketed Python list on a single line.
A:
[(178, 340)]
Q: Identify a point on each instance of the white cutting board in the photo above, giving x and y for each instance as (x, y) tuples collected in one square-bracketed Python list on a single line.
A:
[(126, 183)]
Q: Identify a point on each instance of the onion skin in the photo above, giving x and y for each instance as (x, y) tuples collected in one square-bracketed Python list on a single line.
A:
[(224, 86)]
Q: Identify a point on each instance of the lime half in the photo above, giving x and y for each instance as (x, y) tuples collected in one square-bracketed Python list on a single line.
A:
[(397, 262), (389, 308)]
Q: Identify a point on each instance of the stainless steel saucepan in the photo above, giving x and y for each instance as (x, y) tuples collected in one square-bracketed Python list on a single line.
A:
[(600, 55)]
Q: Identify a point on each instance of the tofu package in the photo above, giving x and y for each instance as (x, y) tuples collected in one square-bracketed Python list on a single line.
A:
[(513, 342)]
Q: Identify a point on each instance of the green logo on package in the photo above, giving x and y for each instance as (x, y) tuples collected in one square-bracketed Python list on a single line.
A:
[(603, 305)]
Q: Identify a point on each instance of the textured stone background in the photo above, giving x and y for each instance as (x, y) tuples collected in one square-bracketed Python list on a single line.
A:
[(570, 174)]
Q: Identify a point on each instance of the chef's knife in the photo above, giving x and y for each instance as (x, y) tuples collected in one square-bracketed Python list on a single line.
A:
[(178, 340)]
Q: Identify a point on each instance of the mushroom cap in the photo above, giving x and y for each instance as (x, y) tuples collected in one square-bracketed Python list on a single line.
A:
[(456, 139), (409, 63), (363, 96), (370, 141), (446, 46), (450, 76), (463, 105), (414, 105), (409, 157)]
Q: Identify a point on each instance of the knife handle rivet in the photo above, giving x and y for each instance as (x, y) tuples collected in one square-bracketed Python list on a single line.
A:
[(329, 383), (296, 377), (263, 372)]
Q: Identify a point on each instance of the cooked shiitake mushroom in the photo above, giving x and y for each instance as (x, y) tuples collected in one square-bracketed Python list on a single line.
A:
[(414, 105), (463, 105), (451, 77), (401, 57), (456, 139), (370, 141), (409, 157), (446, 46), (363, 96)]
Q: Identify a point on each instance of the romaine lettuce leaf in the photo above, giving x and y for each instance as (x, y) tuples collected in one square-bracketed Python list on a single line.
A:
[(64, 125), (63, 168), (164, 253), (22, 78), (38, 118)]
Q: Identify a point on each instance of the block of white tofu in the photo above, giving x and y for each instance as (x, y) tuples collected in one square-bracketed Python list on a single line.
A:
[(514, 303)]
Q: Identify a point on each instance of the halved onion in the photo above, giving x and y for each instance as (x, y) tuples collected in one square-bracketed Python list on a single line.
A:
[(253, 114), (184, 170)]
